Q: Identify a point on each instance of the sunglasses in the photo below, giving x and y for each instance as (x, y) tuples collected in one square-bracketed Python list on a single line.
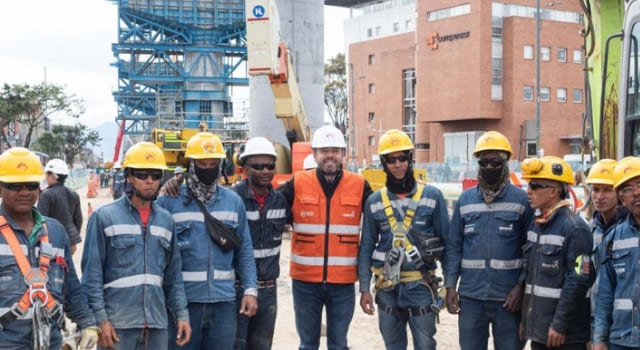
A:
[(144, 174), (536, 186), (260, 166), (495, 162), (15, 187), (392, 160)]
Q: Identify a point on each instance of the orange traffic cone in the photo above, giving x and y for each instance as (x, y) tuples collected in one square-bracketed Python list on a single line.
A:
[(89, 209)]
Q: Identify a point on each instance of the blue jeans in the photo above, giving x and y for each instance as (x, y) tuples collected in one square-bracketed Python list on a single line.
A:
[(213, 325), (141, 339), (473, 324), (308, 301), (619, 347), (573, 346), (256, 333), (394, 330)]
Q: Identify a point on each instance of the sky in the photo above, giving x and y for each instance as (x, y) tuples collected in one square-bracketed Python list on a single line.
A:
[(68, 43)]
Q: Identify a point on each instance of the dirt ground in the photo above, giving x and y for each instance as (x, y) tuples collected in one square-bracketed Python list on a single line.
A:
[(363, 332)]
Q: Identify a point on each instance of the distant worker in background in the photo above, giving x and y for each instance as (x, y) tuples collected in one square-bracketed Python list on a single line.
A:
[(117, 187), (60, 202), (267, 214), (615, 321), (38, 276), (484, 251), (209, 217), (131, 262), (557, 263), (309, 163), (326, 205), (406, 225)]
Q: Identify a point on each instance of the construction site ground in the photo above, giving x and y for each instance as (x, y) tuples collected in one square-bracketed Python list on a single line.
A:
[(363, 332)]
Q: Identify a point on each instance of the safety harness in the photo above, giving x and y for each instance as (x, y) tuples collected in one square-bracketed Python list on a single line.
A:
[(386, 280), (37, 296)]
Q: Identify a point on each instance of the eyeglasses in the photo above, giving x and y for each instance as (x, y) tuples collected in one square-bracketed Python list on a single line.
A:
[(495, 162), (392, 160), (144, 174), (537, 185), (629, 189), (260, 166), (15, 187)]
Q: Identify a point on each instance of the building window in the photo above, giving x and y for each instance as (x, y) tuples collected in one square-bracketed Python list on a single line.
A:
[(496, 58), (544, 94), (531, 149), (545, 53), (577, 56), (562, 54), (528, 52), (372, 116), (409, 103), (396, 27), (449, 12), (378, 30), (561, 95), (372, 140), (577, 95), (408, 25), (372, 59), (369, 32), (528, 93), (372, 88)]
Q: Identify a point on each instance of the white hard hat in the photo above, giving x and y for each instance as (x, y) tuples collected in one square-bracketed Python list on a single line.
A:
[(257, 146), (56, 166), (178, 170), (309, 162), (328, 136), (117, 165)]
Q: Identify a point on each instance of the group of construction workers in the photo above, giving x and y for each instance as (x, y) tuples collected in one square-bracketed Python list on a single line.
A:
[(196, 266)]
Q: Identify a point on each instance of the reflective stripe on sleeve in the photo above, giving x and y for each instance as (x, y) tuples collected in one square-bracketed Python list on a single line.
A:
[(623, 304), (135, 280)]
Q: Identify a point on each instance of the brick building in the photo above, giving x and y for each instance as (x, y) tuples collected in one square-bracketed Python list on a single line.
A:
[(445, 72)]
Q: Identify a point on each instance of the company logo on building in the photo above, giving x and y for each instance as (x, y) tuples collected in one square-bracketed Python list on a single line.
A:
[(435, 38)]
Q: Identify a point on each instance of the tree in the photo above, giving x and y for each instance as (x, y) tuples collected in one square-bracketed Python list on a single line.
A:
[(50, 144), (76, 138), (68, 140), (31, 105), (335, 91)]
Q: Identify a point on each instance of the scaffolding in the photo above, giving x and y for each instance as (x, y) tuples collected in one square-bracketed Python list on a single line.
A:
[(177, 61)]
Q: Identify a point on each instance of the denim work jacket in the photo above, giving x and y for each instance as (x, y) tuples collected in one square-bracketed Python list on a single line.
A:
[(485, 243), (615, 317), (130, 273), (209, 273)]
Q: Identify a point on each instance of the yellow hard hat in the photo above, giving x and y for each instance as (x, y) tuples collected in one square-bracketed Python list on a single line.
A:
[(601, 173), (548, 168), (205, 145), (394, 140), (492, 141), (625, 170), (144, 155), (18, 164)]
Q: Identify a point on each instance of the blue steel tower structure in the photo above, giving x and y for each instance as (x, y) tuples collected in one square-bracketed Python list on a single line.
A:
[(177, 60)]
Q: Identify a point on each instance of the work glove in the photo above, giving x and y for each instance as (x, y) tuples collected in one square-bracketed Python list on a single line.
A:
[(89, 338), (394, 255)]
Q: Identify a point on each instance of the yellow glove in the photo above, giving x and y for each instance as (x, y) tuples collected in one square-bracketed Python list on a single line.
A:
[(89, 338)]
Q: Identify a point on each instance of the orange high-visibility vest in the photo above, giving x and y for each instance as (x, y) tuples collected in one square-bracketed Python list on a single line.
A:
[(324, 244)]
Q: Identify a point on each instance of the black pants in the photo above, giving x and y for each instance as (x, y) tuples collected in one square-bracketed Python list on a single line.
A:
[(538, 346)]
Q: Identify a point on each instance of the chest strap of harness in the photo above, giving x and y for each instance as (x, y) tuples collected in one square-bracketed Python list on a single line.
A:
[(35, 278)]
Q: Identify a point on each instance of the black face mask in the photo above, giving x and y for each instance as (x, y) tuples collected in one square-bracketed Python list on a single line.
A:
[(208, 175), (491, 175)]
